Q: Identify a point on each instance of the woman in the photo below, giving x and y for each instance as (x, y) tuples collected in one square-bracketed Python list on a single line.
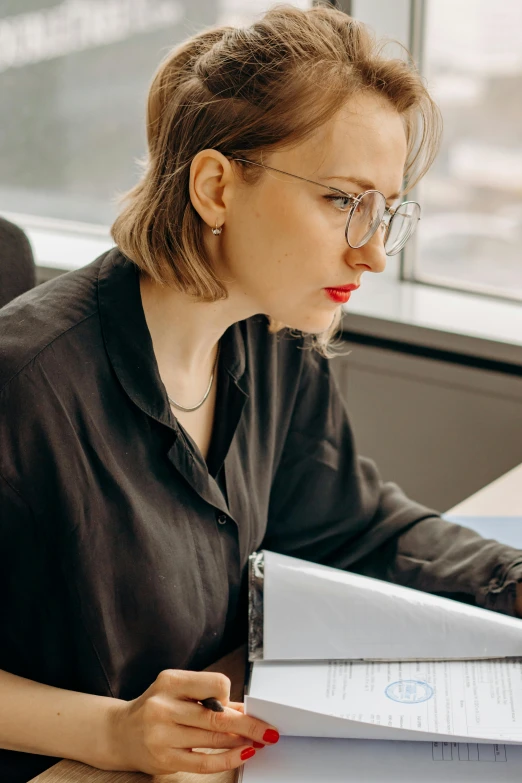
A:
[(157, 424)]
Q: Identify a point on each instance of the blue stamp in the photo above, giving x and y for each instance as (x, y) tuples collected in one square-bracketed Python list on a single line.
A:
[(409, 691)]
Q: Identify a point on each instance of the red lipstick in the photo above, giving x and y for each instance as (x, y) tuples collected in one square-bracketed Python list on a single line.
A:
[(341, 294)]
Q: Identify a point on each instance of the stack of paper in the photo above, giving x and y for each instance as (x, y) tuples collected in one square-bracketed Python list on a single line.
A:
[(304, 760), (338, 655), (447, 701)]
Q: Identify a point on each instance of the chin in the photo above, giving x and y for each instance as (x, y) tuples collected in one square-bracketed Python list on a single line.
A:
[(311, 323)]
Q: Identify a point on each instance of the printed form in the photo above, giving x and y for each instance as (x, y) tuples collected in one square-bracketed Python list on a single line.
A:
[(305, 760), (476, 699)]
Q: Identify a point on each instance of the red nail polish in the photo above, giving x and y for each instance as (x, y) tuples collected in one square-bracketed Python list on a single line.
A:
[(247, 754), (258, 745), (271, 735)]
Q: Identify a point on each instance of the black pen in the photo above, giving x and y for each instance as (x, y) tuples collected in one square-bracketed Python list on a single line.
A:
[(213, 704)]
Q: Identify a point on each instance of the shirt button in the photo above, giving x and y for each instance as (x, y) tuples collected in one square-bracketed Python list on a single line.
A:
[(222, 519)]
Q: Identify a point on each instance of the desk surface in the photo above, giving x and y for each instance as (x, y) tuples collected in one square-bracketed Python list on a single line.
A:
[(501, 498)]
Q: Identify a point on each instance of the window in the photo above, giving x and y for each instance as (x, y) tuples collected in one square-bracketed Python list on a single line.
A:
[(74, 76), (471, 233)]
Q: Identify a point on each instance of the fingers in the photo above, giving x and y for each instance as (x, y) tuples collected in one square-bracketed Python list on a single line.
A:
[(199, 738), (203, 763), (194, 685), (231, 721)]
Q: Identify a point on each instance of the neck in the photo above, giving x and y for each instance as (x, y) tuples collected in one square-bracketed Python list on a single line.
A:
[(185, 334)]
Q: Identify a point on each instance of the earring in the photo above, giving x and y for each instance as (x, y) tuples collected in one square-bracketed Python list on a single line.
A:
[(217, 230)]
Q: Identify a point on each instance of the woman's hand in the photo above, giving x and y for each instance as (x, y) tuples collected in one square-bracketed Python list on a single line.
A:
[(156, 732)]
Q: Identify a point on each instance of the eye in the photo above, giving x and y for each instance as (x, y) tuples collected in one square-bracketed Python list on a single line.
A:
[(342, 203)]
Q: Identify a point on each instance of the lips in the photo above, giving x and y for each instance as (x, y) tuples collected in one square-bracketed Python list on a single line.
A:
[(341, 294)]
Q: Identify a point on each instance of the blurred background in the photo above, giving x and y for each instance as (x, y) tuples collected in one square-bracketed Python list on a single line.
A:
[(74, 77)]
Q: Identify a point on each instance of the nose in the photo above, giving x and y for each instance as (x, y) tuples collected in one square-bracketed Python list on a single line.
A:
[(371, 255)]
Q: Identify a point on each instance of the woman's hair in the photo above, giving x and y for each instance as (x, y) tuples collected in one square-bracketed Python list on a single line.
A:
[(247, 92)]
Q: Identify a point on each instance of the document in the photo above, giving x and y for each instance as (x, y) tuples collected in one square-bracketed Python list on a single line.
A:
[(375, 682), (400, 700), (300, 760)]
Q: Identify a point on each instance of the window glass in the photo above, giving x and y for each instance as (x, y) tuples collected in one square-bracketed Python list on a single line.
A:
[(74, 76), (470, 235)]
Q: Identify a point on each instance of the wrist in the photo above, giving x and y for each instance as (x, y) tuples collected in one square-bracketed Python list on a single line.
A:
[(111, 740)]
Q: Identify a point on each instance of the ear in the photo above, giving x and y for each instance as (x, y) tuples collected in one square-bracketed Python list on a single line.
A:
[(210, 186)]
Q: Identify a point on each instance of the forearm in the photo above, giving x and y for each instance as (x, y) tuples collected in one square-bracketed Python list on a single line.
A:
[(439, 557), (36, 718)]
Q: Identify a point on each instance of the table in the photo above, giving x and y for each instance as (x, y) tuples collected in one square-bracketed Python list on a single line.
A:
[(502, 497)]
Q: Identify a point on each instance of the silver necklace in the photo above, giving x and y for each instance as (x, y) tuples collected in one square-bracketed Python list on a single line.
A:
[(200, 403)]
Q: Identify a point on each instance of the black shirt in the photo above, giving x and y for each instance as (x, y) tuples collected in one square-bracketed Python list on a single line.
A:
[(123, 552)]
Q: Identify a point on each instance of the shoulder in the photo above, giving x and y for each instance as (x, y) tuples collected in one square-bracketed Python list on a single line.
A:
[(35, 321)]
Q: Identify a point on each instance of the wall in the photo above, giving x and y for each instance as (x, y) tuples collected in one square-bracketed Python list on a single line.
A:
[(440, 430)]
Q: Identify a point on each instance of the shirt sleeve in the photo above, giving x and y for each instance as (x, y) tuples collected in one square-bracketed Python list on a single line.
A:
[(329, 505)]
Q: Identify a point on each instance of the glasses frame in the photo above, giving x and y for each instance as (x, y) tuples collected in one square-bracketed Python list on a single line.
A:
[(356, 200)]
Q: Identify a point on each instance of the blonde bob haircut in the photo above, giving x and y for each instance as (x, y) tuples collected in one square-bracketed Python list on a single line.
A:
[(247, 92)]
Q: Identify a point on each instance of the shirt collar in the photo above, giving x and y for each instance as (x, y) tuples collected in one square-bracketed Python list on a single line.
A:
[(129, 344)]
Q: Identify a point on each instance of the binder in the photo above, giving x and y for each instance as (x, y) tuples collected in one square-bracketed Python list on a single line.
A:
[(340, 655)]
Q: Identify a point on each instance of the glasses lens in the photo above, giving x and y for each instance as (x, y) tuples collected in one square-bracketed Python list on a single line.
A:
[(365, 218), (401, 227)]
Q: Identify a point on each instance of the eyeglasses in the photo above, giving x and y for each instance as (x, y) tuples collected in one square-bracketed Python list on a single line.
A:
[(367, 213)]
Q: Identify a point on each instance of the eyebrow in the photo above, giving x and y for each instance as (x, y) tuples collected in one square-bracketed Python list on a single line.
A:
[(364, 185)]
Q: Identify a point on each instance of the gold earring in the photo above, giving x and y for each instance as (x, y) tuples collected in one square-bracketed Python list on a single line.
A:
[(217, 230)]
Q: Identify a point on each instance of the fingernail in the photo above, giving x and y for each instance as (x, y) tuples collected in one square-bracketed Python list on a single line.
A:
[(258, 745), (247, 754), (271, 735)]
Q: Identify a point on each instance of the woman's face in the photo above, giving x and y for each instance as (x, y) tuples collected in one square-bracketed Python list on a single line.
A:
[(283, 242)]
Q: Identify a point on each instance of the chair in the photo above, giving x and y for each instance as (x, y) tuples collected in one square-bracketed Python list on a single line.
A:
[(17, 267)]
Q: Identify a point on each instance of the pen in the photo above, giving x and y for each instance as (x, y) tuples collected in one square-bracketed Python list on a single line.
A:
[(213, 704)]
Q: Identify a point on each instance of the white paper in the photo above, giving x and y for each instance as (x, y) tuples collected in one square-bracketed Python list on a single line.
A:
[(312, 612), (299, 760), (292, 721), (395, 700)]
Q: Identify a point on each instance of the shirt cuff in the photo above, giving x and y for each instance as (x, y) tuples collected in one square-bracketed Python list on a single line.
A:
[(500, 593)]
